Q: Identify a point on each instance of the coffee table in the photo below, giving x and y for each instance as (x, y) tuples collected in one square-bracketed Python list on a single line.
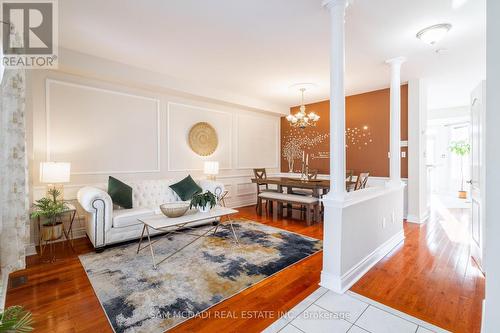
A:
[(176, 224)]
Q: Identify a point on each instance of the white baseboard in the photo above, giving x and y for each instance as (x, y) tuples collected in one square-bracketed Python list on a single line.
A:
[(340, 284), (416, 219)]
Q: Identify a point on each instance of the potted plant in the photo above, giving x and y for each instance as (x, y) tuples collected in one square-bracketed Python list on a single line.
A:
[(50, 208), (461, 148), (15, 319), (203, 201)]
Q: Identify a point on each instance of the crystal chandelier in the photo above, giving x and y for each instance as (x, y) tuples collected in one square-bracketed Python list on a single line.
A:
[(302, 119)]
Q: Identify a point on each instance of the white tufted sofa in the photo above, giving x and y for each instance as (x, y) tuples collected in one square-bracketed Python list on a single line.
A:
[(108, 225)]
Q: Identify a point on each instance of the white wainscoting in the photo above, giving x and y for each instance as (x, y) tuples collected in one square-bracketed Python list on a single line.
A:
[(101, 131), (180, 119)]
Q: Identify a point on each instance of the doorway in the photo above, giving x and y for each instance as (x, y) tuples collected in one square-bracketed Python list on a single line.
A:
[(450, 172)]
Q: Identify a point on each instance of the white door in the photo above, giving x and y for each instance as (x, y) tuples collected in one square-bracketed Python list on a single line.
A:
[(478, 100)]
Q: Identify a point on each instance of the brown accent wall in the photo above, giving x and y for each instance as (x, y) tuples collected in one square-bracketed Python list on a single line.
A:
[(367, 139)]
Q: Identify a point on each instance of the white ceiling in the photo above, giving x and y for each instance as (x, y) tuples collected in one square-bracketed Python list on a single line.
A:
[(259, 48)]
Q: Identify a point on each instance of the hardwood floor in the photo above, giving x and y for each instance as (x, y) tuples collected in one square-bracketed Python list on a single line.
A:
[(430, 276)]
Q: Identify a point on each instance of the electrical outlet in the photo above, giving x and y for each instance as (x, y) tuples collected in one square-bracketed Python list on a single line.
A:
[(403, 154), (383, 223)]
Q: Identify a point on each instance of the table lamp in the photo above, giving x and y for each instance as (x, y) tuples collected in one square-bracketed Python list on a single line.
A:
[(211, 169), (54, 174)]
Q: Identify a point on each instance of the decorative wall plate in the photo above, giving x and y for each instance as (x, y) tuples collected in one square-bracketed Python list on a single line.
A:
[(203, 139)]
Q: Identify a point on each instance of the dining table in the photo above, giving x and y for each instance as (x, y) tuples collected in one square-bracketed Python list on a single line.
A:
[(319, 187)]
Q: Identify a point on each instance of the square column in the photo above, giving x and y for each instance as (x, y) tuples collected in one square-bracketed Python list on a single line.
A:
[(395, 132)]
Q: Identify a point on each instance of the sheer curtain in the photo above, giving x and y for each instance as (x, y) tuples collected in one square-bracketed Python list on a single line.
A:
[(14, 203)]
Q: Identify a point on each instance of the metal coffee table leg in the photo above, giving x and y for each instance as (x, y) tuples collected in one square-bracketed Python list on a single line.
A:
[(140, 240), (151, 246), (234, 232)]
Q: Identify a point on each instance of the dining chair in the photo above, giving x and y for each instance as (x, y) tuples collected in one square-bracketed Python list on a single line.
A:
[(260, 173), (361, 181), (312, 175), (348, 175)]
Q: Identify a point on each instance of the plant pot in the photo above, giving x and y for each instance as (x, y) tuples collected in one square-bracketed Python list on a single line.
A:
[(204, 209), (462, 194), (50, 232)]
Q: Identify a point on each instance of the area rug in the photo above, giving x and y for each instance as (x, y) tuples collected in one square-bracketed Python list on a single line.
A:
[(137, 298)]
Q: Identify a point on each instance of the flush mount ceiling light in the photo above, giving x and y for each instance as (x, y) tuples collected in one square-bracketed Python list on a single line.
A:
[(433, 34)]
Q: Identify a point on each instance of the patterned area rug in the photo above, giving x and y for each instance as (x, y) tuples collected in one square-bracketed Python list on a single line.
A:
[(137, 298)]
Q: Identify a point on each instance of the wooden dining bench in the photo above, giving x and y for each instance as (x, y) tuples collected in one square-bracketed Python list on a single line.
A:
[(311, 203)]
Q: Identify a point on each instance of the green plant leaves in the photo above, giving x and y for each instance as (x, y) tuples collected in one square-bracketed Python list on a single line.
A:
[(16, 319), (203, 199), (49, 207), (461, 148)]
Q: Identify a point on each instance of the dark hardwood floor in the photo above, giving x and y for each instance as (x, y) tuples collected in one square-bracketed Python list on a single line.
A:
[(430, 276)]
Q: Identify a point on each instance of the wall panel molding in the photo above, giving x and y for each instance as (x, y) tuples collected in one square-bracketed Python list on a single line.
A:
[(259, 161), (49, 155), (171, 140)]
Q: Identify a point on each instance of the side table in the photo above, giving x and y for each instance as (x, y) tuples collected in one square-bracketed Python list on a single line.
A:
[(68, 215)]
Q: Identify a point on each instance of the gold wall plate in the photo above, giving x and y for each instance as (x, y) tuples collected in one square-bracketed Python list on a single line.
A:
[(203, 139)]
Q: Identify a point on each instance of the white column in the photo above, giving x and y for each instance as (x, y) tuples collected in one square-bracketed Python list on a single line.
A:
[(337, 98), (418, 210), (331, 274), (395, 132)]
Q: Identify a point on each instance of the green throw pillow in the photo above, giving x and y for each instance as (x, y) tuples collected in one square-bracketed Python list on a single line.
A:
[(120, 193), (186, 188)]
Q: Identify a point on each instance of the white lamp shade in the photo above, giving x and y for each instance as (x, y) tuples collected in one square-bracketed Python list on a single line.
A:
[(211, 168), (54, 172)]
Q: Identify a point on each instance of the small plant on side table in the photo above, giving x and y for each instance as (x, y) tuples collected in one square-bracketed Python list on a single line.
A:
[(50, 208), (203, 201)]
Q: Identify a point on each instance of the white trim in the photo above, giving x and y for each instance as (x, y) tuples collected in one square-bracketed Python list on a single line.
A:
[(201, 157), (343, 283), (277, 156), (49, 81), (414, 219)]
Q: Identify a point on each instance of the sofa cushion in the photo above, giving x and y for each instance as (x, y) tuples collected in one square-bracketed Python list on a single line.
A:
[(120, 193), (153, 193), (126, 217), (186, 188)]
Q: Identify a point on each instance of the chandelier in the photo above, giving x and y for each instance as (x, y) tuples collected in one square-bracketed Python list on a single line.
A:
[(302, 119)]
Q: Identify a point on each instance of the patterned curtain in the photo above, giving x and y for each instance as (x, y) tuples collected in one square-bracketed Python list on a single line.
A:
[(14, 202)]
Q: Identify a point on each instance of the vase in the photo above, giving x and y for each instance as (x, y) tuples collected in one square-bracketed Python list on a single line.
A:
[(204, 209), (50, 232)]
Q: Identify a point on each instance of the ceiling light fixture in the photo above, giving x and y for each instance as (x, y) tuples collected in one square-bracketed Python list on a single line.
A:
[(302, 119), (433, 34)]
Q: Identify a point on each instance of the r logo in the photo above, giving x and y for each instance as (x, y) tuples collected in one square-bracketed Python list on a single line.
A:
[(31, 28)]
